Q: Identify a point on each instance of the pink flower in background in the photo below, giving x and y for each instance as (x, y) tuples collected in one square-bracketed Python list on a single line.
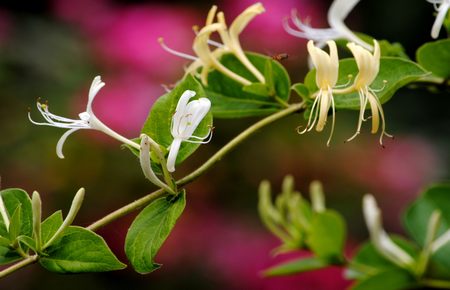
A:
[(126, 36), (266, 34)]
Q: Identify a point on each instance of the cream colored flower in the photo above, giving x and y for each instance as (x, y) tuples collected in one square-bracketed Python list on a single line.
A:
[(327, 70), (368, 66), (207, 59)]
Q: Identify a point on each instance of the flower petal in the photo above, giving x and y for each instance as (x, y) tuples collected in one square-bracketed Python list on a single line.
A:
[(61, 141), (144, 158), (96, 85), (173, 153)]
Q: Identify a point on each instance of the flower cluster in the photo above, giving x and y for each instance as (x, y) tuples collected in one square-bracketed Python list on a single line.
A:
[(208, 59), (327, 70)]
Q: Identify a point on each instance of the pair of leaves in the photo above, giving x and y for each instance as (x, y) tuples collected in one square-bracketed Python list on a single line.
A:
[(77, 250), (398, 72)]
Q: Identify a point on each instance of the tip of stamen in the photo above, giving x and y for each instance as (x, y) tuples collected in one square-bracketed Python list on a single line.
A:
[(385, 81), (349, 76), (196, 28), (161, 40)]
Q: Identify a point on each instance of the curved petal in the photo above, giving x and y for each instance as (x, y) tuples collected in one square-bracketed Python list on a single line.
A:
[(244, 18), (61, 141), (180, 110), (173, 153), (96, 85)]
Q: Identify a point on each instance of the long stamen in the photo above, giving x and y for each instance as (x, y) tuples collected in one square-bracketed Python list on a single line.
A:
[(333, 118), (310, 116), (196, 30), (350, 77), (362, 102), (380, 89), (174, 52)]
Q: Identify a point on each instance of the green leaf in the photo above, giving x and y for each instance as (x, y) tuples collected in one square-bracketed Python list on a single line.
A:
[(297, 266), (13, 199), (416, 219), (327, 235), (50, 225), (435, 57), (80, 250), (302, 91), (232, 100), (158, 123), (397, 72), (395, 279), (27, 241), (150, 229)]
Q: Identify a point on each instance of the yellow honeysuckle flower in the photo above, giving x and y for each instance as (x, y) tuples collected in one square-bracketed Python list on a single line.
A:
[(327, 69), (368, 66)]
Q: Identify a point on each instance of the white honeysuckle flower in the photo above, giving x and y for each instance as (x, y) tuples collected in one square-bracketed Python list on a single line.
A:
[(442, 10), (380, 239), (327, 70), (338, 11), (185, 121), (87, 120), (368, 66), (207, 59)]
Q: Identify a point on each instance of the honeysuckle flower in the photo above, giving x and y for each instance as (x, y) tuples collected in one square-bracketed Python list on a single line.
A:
[(87, 120), (368, 66), (380, 239), (327, 69), (444, 6), (185, 121), (338, 11), (206, 59)]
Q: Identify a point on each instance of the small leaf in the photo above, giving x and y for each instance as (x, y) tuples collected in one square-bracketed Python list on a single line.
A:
[(50, 225), (27, 241), (231, 100), (435, 57), (158, 123), (395, 279), (149, 231), (297, 266), (397, 72), (302, 91), (8, 255), (327, 235), (15, 224), (80, 250)]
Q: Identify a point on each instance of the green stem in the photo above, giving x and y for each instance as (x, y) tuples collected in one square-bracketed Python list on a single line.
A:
[(19, 265), (199, 171), (237, 140), (127, 209)]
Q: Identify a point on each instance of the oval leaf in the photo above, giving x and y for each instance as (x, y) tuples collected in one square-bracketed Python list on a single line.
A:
[(158, 123), (149, 231), (327, 235), (435, 57), (396, 279), (80, 250)]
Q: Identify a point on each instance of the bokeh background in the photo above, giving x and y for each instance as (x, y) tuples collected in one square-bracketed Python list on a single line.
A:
[(53, 49)]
